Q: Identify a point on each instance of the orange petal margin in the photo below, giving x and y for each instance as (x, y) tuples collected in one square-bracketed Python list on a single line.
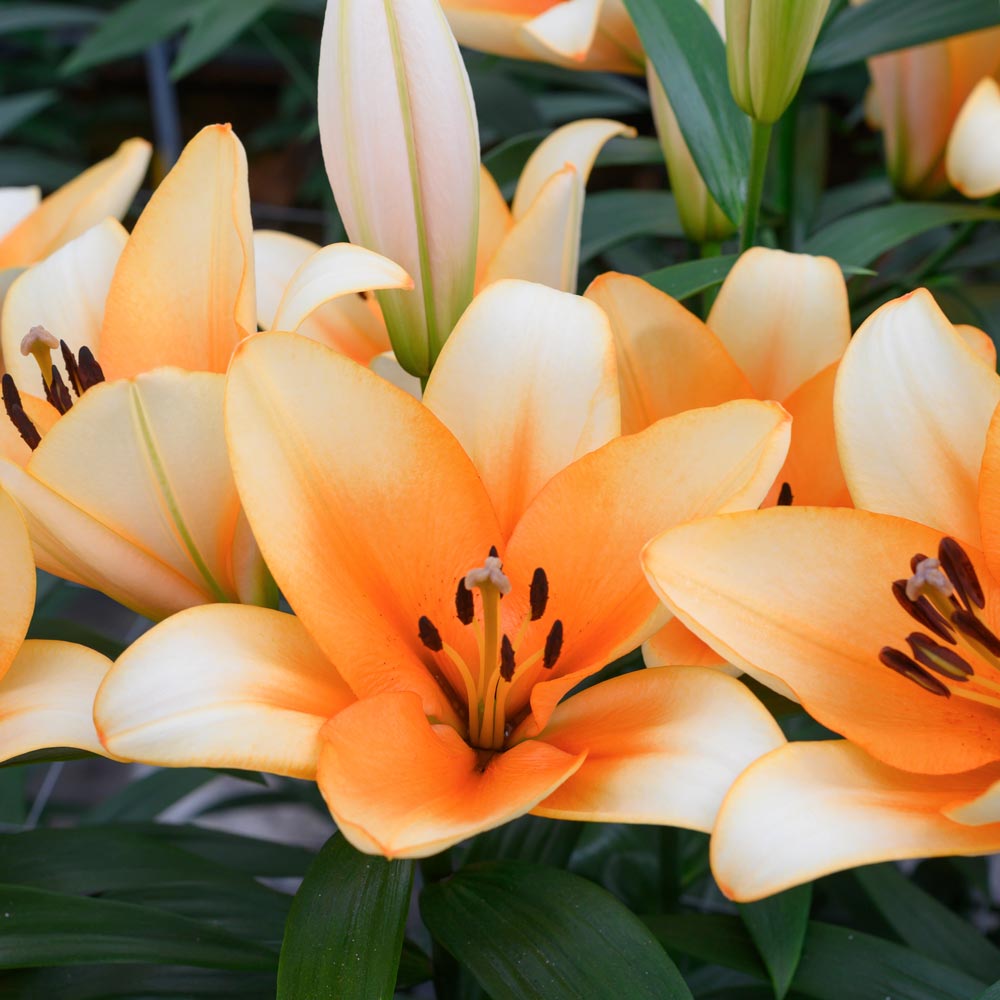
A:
[(17, 581), (399, 786)]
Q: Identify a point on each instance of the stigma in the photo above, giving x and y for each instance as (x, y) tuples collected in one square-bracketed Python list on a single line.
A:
[(480, 696)]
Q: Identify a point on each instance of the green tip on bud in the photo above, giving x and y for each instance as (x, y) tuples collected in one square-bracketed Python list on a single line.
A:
[(768, 44)]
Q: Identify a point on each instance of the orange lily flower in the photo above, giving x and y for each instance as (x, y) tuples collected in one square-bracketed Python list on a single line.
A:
[(973, 158), (47, 688), (128, 489), (881, 620), (577, 34), (465, 562), (917, 95), (777, 330)]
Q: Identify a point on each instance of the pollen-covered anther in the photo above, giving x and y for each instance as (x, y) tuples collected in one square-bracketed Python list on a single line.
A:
[(928, 576), (491, 573), (938, 658), (553, 645), (429, 635), (954, 560), (911, 670), (465, 608), (539, 594), (507, 663), (17, 416)]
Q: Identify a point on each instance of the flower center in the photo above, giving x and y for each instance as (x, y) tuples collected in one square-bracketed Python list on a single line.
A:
[(82, 370), (487, 683), (945, 597)]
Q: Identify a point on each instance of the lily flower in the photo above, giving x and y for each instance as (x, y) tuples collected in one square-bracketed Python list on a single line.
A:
[(47, 687), (457, 566), (122, 471), (973, 157), (777, 330), (881, 620), (576, 34)]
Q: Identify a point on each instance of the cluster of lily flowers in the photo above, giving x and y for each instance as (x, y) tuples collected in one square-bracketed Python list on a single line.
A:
[(475, 488)]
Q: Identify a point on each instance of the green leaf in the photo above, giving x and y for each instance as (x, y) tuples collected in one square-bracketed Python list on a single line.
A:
[(857, 240), (217, 24), (993, 993), (147, 797), (533, 933), (49, 928), (19, 108), (129, 29), (530, 838), (693, 276), (927, 925), (887, 25), (70, 631), (778, 928), (612, 217), (29, 16), (129, 982), (690, 59), (345, 930)]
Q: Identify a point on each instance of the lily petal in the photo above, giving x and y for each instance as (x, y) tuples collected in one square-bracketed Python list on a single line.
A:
[(16, 203), (566, 29), (980, 343), (107, 188), (65, 293), (662, 745), (401, 786), (973, 157), (276, 256), (588, 525), (577, 144), (41, 413), (771, 591), (809, 809), (783, 317), (495, 222), (912, 406), (327, 455), (532, 369), (989, 496), (183, 293), (17, 582), (675, 644), (668, 360), (47, 698), (222, 686)]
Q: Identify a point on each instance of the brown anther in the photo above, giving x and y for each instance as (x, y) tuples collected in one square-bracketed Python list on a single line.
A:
[(506, 659), (15, 411), (429, 635), (912, 671), (539, 593), (91, 373), (465, 607), (785, 496), (553, 645), (57, 393), (72, 368), (916, 560), (957, 564), (972, 628), (938, 658), (923, 612), (493, 552)]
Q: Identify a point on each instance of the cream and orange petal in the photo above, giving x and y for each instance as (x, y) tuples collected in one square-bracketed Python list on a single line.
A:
[(809, 809), (668, 360), (973, 157), (662, 746), (783, 317), (222, 686), (65, 293), (566, 30), (527, 383), (107, 188), (365, 506), (276, 257), (183, 292), (675, 644), (495, 221), (400, 785), (989, 496), (979, 342), (588, 526), (43, 416), (16, 203), (805, 594), (47, 698), (912, 405), (17, 581)]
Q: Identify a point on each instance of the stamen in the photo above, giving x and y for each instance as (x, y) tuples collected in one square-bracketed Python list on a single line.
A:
[(506, 659), (493, 552), (916, 560), (72, 368), (91, 373), (928, 576), (57, 393), (939, 658), (465, 607), (785, 496), (957, 564), (911, 670), (39, 342), (429, 635), (553, 645), (973, 629), (15, 411), (539, 593), (923, 612)]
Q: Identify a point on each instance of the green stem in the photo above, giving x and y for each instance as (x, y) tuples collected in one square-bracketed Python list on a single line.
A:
[(759, 145)]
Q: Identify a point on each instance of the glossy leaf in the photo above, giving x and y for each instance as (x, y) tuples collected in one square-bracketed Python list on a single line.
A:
[(993, 993), (530, 838), (344, 933), (127, 982), (148, 796), (690, 58), (533, 933), (778, 928), (885, 25), (691, 277), (18, 108), (30, 16), (217, 24), (612, 217)]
